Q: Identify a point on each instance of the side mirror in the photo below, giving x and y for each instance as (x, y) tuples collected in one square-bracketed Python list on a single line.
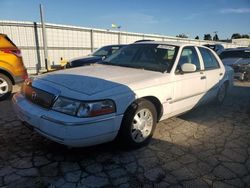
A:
[(188, 67), (104, 57)]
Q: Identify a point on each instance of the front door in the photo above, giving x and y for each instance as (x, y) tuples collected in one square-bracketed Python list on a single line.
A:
[(189, 88)]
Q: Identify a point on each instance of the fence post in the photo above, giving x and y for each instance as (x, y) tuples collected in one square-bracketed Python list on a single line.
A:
[(38, 65), (47, 63), (92, 40), (119, 37)]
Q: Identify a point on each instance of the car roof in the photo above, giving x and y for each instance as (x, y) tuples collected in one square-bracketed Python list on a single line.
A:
[(114, 45), (174, 43)]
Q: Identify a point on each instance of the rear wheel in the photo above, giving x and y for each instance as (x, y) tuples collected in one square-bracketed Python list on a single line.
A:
[(5, 87), (138, 124)]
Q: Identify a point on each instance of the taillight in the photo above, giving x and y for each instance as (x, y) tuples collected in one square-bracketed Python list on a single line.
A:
[(25, 76), (15, 52)]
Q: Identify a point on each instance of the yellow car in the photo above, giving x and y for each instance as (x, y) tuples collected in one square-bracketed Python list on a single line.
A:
[(12, 69)]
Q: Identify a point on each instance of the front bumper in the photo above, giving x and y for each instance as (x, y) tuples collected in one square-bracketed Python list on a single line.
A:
[(64, 129), (240, 76), (20, 79), (242, 71)]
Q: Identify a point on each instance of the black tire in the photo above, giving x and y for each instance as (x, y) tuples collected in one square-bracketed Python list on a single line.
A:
[(6, 89), (221, 95), (126, 131)]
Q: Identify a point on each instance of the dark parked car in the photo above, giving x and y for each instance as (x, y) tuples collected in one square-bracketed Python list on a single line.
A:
[(97, 56), (218, 48), (239, 60)]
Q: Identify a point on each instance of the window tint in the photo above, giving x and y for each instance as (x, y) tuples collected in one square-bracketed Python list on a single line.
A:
[(210, 62), (189, 55)]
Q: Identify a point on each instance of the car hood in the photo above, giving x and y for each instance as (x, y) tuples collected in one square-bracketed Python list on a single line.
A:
[(233, 61), (96, 78), (80, 61), (83, 58)]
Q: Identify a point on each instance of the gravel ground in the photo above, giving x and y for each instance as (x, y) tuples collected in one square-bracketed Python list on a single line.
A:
[(207, 147)]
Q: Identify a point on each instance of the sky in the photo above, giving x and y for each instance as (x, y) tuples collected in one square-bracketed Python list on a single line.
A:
[(166, 17)]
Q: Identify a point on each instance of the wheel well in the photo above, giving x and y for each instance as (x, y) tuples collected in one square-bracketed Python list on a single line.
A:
[(8, 75), (157, 104)]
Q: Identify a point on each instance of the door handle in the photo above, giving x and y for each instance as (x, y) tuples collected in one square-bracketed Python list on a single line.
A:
[(221, 74), (203, 77)]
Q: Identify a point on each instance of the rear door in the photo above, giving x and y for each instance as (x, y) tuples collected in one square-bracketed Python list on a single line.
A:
[(212, 71)]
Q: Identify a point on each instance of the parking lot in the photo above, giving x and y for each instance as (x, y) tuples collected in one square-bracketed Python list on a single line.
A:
[(207, 147)]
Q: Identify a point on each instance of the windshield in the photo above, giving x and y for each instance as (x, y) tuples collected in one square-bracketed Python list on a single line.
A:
[(106, 51), (235, 54), (155, 57)]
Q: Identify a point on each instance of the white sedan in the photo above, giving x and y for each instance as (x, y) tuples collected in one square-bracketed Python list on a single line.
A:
[(123, 97)]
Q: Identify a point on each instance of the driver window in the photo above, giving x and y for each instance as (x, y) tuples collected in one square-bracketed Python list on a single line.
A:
[(188, 55)]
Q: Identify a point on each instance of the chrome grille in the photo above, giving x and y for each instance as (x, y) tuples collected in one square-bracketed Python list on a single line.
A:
[(38, 96)]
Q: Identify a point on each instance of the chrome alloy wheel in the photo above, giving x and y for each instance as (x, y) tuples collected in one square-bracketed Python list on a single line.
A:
[(4, 88), (142, 125)]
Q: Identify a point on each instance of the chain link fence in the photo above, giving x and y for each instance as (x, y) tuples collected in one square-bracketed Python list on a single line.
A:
[(66, 42)]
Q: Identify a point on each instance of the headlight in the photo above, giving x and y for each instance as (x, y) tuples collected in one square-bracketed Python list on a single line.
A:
[(83, 109), (66, 106)]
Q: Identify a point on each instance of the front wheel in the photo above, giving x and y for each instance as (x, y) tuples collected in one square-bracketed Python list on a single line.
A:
[(138, 124), (5, 87)]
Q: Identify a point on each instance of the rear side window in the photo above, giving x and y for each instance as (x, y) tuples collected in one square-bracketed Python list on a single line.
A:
[(210, 62)]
